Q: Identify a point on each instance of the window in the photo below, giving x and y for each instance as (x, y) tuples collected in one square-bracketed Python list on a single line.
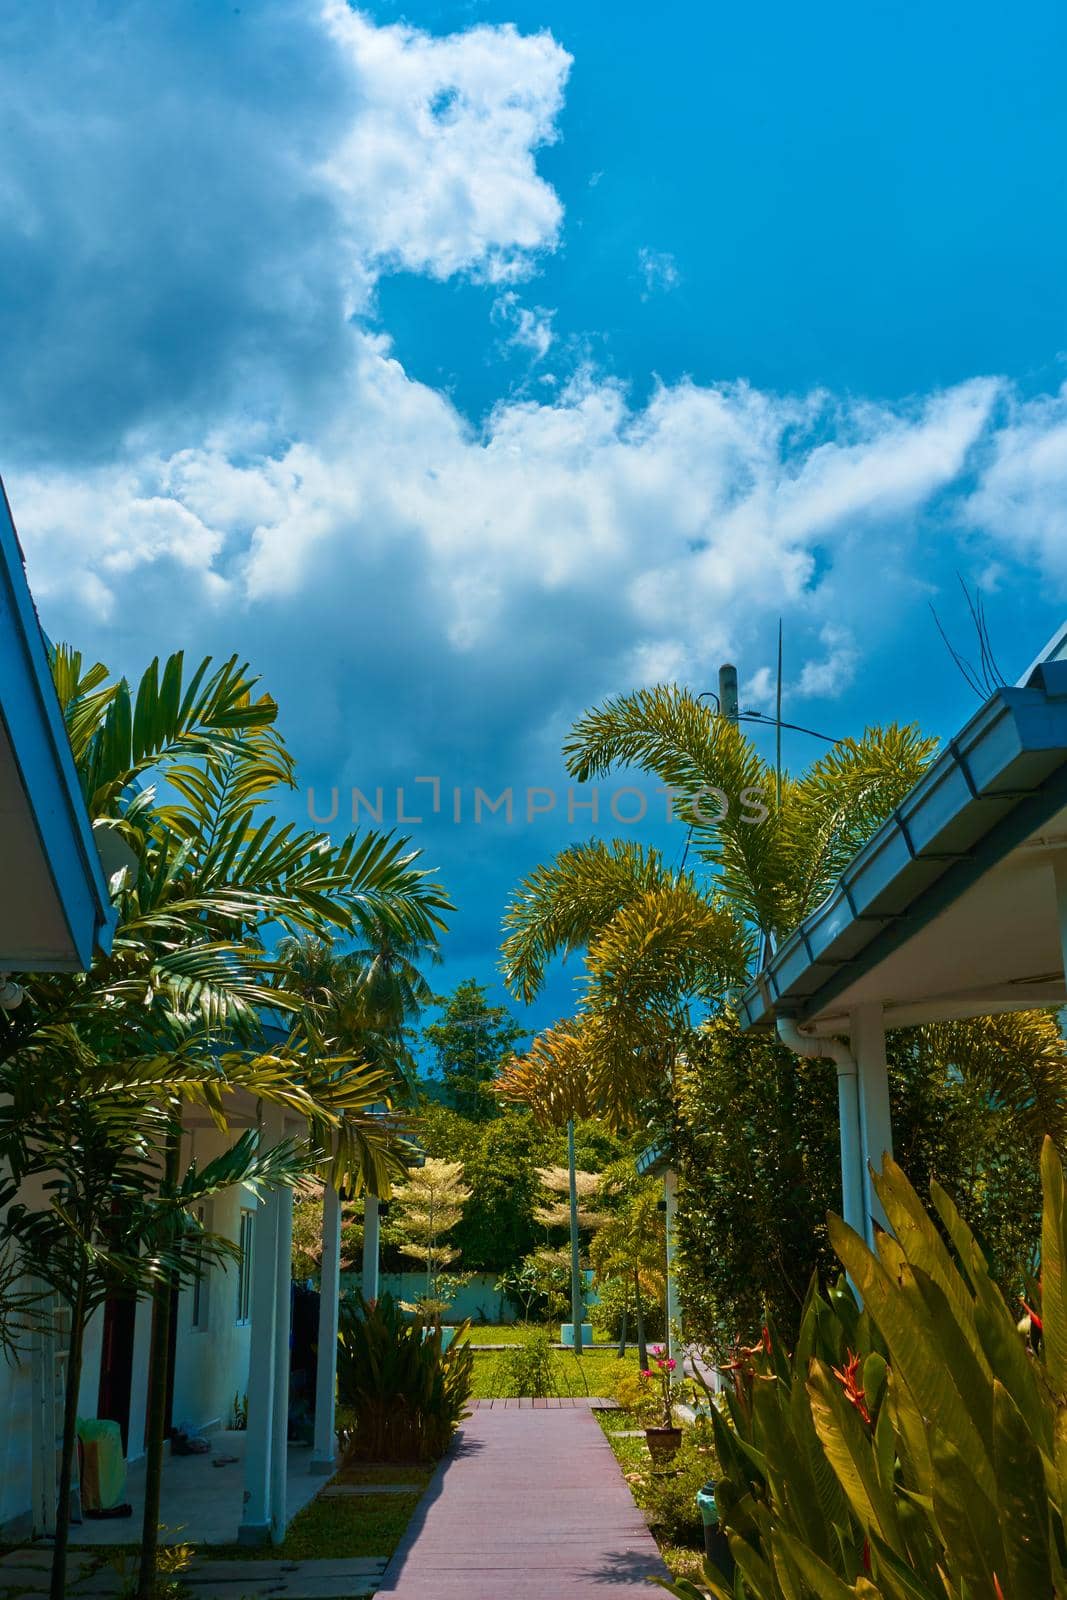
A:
[(201, 1272), (246, 1241)]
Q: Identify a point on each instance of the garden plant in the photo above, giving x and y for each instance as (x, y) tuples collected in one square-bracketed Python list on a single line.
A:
[(405, 1393), (912, 1450)]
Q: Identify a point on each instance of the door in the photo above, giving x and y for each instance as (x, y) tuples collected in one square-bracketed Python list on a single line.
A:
[(116, 1363)]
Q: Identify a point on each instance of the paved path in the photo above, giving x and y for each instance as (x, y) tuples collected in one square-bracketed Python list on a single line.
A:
[(529, 1505)]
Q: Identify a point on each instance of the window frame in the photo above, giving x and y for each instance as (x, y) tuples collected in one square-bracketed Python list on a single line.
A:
[(246, 1241)]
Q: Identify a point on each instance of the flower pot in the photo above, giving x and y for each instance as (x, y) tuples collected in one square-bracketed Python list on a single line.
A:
[(662, 1442)]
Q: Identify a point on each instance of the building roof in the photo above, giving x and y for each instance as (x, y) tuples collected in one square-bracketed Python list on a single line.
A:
[(55, 911), (950, 910)]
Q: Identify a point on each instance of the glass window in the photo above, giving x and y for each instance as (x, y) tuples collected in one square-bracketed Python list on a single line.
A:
[(246, 1241)]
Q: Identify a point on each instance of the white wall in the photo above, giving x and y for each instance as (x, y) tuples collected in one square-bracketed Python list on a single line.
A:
[(211, 1362)]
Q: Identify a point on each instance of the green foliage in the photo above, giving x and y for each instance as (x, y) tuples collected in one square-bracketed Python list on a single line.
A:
[(500, 1161), (469, 1042), (668, 1496), (427, 1208), (406, 1395), (528, 1369), (916, 1450), (757, 1158), (757, 1151)]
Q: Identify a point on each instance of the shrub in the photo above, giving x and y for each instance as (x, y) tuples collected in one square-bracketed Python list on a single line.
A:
[(916, 1450), (636, 1394), (406, 1395), (528, 1369), (668, 1497)]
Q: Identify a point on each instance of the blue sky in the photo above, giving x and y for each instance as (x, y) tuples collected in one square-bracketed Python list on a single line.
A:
[(465, 364)]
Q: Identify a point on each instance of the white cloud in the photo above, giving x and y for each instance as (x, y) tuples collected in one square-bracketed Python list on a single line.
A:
[(659, 271), (206, 452), (196, 197), (530, 326), (1021, 496), (436, 170), (616, 544)]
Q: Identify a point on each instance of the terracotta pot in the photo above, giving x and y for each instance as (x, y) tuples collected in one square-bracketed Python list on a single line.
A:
[(663, 1442)]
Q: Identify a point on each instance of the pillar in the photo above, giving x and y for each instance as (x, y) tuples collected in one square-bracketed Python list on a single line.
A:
[(867, 1030), (675, 1347), (371, 1246), (323, 1457), (279, 1460), (255, 1528)]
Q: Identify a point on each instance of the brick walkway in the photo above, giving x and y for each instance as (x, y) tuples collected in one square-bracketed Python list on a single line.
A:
[(529, 1505)]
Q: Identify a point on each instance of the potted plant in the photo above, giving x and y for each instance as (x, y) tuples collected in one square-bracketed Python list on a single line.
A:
[(664, 1438)]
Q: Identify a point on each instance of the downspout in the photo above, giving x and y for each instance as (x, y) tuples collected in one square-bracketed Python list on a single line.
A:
[(848, 1113)]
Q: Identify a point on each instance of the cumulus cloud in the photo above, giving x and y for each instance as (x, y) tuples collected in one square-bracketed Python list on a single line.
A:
[(574, 545), (196, 198), (437, 170), (206, 448), (1021, 496)]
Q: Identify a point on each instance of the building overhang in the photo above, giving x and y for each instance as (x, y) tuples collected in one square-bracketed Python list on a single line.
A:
[(55, 911), (951, 909)]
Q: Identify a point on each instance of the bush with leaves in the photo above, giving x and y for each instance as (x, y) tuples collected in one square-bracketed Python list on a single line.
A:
[(406, 1394), (528, 1369), (757, 1149), (916, 1450)]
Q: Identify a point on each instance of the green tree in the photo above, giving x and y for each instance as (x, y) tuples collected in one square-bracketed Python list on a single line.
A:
[(653, 1042), (469, 1041), (428, 1206), (171, 1013)]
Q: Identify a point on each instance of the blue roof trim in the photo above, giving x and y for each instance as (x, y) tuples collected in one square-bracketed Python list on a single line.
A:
[(654, 1159), (1001, 779), (34, 723)]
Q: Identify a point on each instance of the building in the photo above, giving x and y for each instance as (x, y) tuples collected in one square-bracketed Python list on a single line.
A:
[(231, 1330), (957, 907)]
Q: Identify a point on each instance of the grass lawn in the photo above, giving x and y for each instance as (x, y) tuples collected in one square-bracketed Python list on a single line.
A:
[(512, 1332), (363, 1525), (591, 1374)]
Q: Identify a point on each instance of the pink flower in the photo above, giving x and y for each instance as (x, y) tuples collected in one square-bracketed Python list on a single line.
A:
[(671, 1365), (646, 1374)]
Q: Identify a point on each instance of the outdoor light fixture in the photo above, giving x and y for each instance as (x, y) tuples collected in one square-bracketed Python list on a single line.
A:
[(11, 994)]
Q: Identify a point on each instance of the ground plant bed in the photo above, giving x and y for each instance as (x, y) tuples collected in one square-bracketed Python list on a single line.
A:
[(666, 1492)]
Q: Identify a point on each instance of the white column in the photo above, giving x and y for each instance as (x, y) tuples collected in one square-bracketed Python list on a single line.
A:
[(853, 1201), (255, 1528), (324, 1457), (371, 1247), (867, 1029), (675, 1349), (279, 1460)]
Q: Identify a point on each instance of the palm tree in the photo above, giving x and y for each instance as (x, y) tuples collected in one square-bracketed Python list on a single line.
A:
[(663, 950), (774, 855), (174, 1008)]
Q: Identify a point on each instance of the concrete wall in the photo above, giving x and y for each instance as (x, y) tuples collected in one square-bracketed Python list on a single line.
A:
[(477, 1299), (211, 1361)]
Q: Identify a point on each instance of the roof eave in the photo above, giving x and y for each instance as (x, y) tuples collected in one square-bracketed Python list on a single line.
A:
[(998, 781)]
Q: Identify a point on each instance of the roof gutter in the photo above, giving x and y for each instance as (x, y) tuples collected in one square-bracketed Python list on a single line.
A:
[(995, 784)]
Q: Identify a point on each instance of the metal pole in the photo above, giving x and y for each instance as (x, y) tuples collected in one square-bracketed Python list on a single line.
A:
[(576, 1280), (728, 691)]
